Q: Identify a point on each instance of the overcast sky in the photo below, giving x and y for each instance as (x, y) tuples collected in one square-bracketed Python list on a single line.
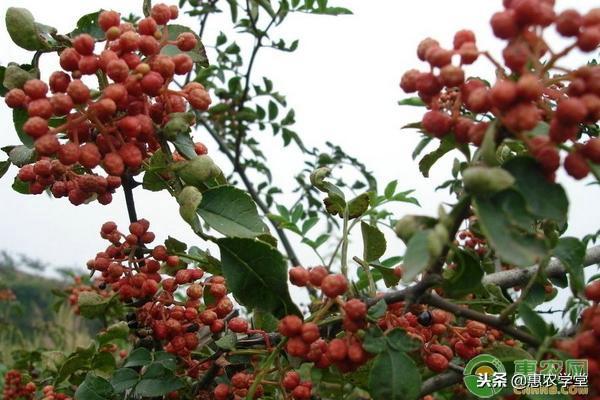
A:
[(343, 84)]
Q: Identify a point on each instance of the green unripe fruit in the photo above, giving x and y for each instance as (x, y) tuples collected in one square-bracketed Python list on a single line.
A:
[(174, 127), (435, 244), (408, 225), (198, 170), (485, 180), (441, 232), (189, 195), (189, 199)]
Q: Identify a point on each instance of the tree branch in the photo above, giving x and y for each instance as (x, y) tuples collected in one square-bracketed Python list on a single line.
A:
[(128, 185), (520, 276), (490, 320), (440, 381)]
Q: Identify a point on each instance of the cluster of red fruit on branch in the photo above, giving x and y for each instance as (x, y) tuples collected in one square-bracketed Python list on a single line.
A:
[(304, 339), (130, 274), (300, 390), (15, 388), (472, 241), (585, 343), (134, 275), (523, 97), (440, 336), (49, 393), (119, 127), (240, 383), (332, 285)]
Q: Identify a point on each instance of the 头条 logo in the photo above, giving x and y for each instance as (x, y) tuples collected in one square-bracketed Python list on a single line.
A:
[(484, 376)]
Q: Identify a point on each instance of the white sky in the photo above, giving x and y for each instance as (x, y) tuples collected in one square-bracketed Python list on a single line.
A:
[(343, 84)]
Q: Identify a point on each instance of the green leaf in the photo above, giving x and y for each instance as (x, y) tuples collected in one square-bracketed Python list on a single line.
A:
[(374, 243), (103, 364), (157, 165), (25, 32), (377, 310), (22, 155), (227, 341), (358, 205), (308, 224), (89, 24), (198, 53), (543, 199), (4, 165), (273, 110), (416, 258), (412, 101), (92, 305), (387, 273), (123, 379), (487, 150), (257, 275), (533, 321), (507, 354), (94, 388), (390, 189), (374, 342), (264, 321), (421, 146), (157, 381), (175, 246), (465, 278), (168, 360), (15, 76), (446, 144), (231, 212), (20, 187), (509, 228), (20, 116), (394, 376), (3, 89), (78, 361), (117, 331), (399, 340), (571, 252), (185, 145)]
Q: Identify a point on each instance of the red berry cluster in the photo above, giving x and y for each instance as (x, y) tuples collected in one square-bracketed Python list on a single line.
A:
[(119, 128), (304, 339), (177, 322), (473, 242), (440, 337), (240, 382), (526, 96), (133, 271), (300, 390), (129, 276), (332, 285), (49, 394), (15, 388), (585, 343)]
